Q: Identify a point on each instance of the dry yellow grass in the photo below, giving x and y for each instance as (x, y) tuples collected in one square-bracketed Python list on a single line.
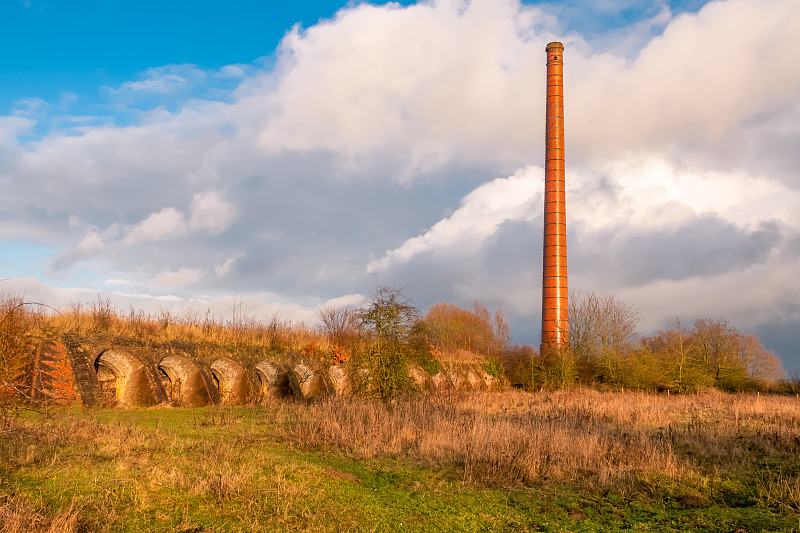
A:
[(576, 436), (706, 449), (17, 516), (106, 473), (27, 321)]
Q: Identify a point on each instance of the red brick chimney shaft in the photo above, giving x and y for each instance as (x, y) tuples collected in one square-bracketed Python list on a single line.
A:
[(555, 300)]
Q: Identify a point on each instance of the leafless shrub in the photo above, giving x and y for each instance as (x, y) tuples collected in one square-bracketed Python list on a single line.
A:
[(340, 324), (103, 313)]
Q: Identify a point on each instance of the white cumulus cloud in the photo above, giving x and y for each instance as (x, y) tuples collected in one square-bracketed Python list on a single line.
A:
[(178, 278), (166, 223), (478, 218), (209, 212)]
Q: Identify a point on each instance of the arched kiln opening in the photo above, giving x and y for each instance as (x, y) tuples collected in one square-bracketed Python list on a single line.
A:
[(123, 380), (273, 380), (166, 382), (306, 383), (108, 381), (231, 381), (184, 384)]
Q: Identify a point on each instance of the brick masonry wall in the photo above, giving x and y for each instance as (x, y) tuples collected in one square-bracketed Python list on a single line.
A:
[(64, 372)]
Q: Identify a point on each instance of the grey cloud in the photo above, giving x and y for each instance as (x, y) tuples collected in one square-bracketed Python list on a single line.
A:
[(767, 143), (505, 273), (792, 248), (702, 246), (782, 337), (299, 230)]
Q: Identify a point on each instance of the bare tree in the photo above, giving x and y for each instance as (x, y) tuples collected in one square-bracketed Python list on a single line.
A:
[(759, 363), (340, 324), (717, 345), (675, 351), (241, 318), (502, 332), (452, 328), (793, 380), (602, 330)]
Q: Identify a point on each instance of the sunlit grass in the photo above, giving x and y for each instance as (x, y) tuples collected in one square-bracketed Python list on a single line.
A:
[(562, 461)]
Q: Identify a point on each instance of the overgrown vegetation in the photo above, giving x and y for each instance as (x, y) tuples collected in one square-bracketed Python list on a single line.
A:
[(23, 324), (393, 340), (241, 331), (380, 339), (576, 460), (566, 458), (606, 351), (458, 333)]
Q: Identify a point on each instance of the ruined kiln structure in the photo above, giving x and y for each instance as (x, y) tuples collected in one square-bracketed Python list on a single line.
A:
[(93, 373), (555, 297)]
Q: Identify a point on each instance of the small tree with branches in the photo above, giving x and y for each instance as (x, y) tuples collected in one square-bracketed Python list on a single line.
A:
[(603, 332), (390, 324)]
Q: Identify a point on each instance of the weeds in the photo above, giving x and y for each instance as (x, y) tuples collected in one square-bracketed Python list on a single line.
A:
[(476, 461), (18, 516), (579, 436), (21, 323)]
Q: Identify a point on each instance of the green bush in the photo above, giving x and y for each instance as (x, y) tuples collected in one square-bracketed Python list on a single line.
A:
[(388, 320), (493, 367)]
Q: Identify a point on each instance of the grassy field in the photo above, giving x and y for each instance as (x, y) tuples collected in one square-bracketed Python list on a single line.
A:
[(574, 460)]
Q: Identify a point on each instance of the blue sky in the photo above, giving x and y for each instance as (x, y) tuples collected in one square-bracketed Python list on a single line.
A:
[(180, 153), (80, 46), (55, 48)]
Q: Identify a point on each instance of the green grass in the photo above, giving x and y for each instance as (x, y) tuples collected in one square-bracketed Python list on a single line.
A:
[(236, 469)]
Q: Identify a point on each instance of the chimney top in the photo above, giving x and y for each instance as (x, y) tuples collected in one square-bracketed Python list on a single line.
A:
[(554, 46)]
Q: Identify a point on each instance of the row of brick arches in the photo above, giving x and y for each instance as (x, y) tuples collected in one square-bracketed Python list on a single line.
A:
[(126, 381), (56, 373)]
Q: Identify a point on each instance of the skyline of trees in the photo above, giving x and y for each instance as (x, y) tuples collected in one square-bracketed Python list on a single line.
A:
[(607, 350)]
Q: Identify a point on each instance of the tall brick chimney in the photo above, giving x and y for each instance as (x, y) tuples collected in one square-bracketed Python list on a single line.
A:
[(555, 298)]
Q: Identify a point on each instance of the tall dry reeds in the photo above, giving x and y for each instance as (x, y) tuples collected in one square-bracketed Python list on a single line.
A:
[(27, 320), (18, 516), (686, 451), (578, 436), (501, 438)]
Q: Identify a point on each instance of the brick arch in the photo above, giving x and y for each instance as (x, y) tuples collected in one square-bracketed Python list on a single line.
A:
[(185, 384), (273, 381), (123, 379), (231, 380), (306, 383)]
